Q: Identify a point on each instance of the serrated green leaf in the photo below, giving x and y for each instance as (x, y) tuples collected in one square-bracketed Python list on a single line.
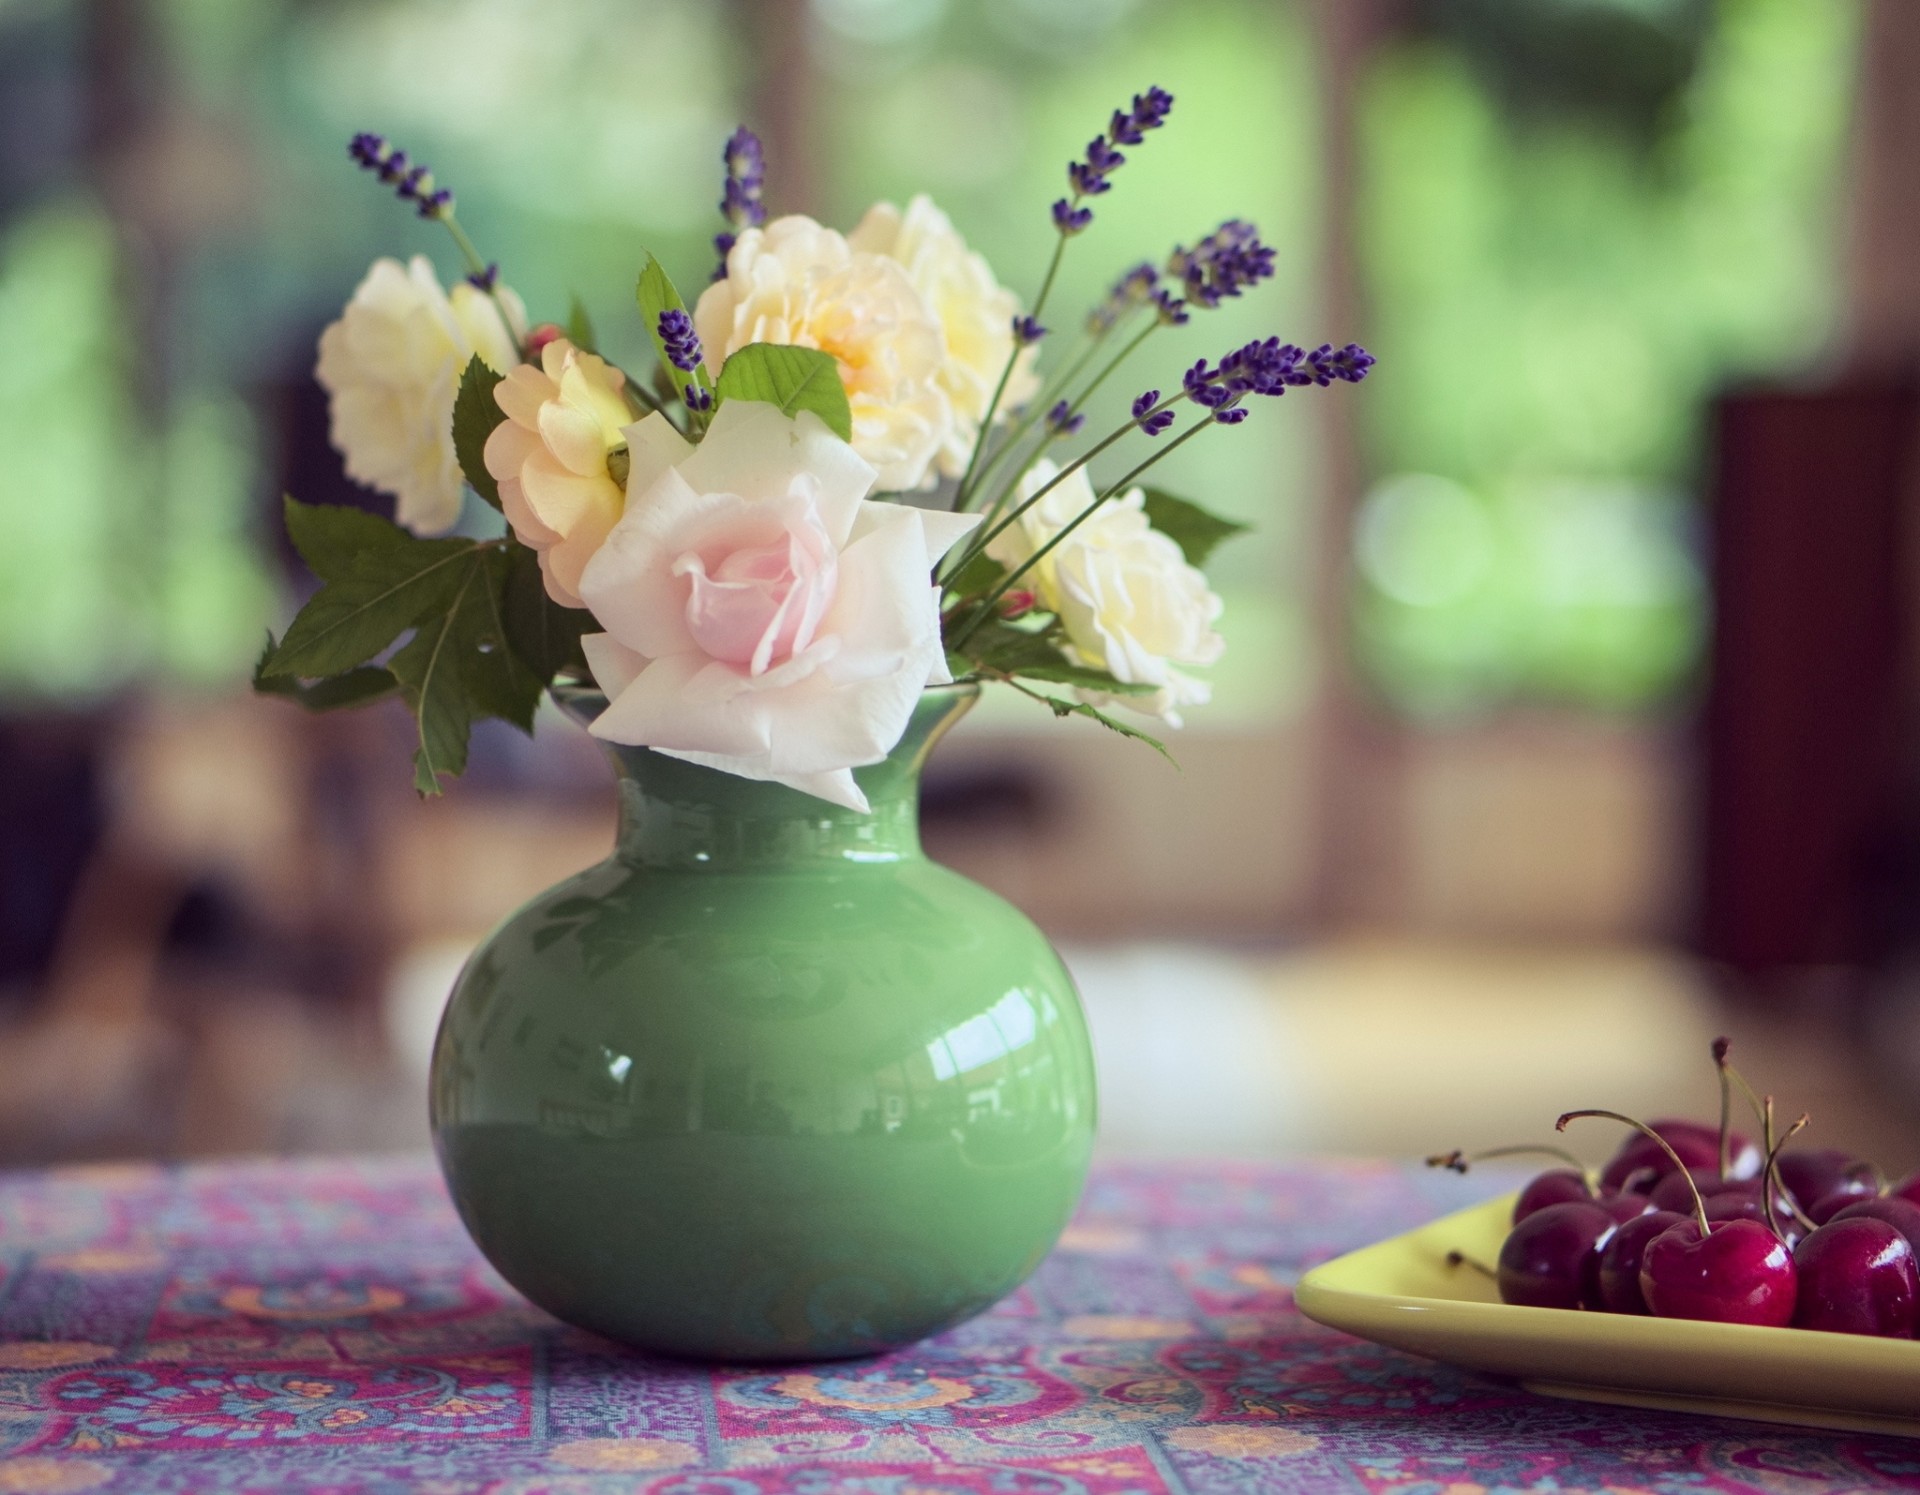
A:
[(544, 634), (580, 327), (333, 538), (361, 687), (431, 670), (1189, 526), (656, 294), (1009, 650), (500, 682), (368, 605), (1064, 708), (475, 414), (794, 379)]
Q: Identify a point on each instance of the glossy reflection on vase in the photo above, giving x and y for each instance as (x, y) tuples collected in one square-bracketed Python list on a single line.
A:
[(767, 1084)]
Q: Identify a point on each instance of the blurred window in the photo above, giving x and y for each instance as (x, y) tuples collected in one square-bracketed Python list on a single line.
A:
[(1579, 219)]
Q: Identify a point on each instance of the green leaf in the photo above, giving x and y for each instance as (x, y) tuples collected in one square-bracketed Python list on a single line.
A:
[(501, 682), (656, 294), (977, 578), (1008, 650), (368, 603), (1189, 526), (432, 674), (475, 414), (1065, 708), (545, 635), (794, 379), (359, 687), (333, 538), (1063, 673), (580, 327)]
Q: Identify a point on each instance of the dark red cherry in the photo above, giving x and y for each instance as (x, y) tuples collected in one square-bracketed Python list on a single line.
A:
[(1625, 1205), (1697, 1145), (1815, 1173), (1823, 1207), (1619, 1274), (1908, 1189), (1557, 1186), (1746, 1203), (1902, 1214), (1551, 1258), (1857, 1277), (1738, 1273), (1672, 1191)]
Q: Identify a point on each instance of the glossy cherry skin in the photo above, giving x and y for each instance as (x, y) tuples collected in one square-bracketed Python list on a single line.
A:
[(1556, 1186), (1551, 1258), (1697, 1145), (1738, 1273), (1857, 1277), (1814, 1174), (1847, 1191), (1902, 1214), (1908, 1188), (1749, 1204), (1672, 1191), (1619, 1272), (1624, 1205)]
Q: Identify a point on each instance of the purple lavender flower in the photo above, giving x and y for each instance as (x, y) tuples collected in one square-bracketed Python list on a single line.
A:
[(1152, 424), (410, 183), (1231, 415), (485, 280), (1206, 387), (1088, 178), (1027, 331), (1063, 421), (1133, 289), (1149, 112), (698, 398), (740, 204), (1069, 219), (1349, 363), (1223, 264), (679, 341), (1169, 308)]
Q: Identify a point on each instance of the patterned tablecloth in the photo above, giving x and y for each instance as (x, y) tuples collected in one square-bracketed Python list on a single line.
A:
[(325, 1326)]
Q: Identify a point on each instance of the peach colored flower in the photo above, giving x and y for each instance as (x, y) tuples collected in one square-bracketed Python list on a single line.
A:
[(550, 458)]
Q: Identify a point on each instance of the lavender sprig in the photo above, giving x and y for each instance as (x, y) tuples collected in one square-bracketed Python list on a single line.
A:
[(680, 342), (1088, 178), (1132, 290), (740, 203), (1063, 420), (1223, 264), (1151, 420), (412, 184)]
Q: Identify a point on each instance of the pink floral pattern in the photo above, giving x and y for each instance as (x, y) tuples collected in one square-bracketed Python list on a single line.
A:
[(325, 1327)]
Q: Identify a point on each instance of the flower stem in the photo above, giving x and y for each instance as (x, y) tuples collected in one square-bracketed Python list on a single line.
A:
[(478, 266), (1007, 581), (1006, 374), (1042, 402), (1113, 363)]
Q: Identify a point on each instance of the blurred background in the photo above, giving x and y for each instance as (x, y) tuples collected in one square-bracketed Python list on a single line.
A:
[(1568, 716)]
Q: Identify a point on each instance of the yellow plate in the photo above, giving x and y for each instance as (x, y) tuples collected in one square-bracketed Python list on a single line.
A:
[(1402, 1293)]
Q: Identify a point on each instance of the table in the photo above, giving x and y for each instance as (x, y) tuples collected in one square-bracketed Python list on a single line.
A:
[(324, 1326)]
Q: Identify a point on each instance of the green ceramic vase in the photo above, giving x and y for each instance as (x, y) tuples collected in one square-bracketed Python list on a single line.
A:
[(766, 1084)]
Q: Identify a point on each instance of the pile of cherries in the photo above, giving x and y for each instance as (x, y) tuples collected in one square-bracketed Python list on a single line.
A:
[(1688, 1221)]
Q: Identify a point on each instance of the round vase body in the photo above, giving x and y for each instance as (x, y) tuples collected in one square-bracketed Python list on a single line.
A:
[(767, 1084)]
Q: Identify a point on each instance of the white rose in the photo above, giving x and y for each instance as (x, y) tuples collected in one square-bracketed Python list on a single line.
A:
[(549, 456), (796, 282), (763, 616), (391, 367), (1131, 604), (975, 312)]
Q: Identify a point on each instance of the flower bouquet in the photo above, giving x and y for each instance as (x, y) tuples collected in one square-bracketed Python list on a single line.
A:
[(846, 479), (768, 1083)]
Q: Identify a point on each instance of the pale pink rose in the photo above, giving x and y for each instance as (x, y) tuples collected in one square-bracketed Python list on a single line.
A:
[(549, 457), (764, 617)]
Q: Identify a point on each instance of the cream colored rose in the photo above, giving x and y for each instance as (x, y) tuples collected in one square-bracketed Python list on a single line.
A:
[(550, 458), (1131, 604), (974, 310), (391, 367), (796, 282), (764, 616)]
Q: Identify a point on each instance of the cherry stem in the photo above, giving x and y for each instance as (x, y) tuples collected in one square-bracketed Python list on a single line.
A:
[(1699, 1204), (1719, 1050), (1458, 1160), (1773, 1192), (1461, 1259)]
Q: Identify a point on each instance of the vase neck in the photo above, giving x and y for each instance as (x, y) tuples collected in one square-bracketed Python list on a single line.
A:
[(685, 816)]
